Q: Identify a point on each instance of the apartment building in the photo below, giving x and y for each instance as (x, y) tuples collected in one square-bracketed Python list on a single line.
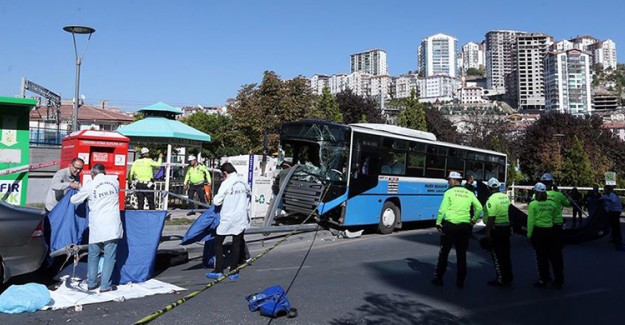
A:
[(568, 82), (472, 56), (318, 82), (528, 91), (604, 53), (403, 86), (500, 47), (437, 88), (371, 62), (438, 56)]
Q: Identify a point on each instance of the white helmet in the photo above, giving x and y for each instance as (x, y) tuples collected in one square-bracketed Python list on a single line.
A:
[(192, 157), (493, 183), (144, 150)]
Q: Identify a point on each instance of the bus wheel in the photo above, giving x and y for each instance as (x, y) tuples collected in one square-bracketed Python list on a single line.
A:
[(389, 218)]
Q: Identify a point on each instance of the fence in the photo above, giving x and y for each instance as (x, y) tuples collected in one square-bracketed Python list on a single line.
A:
[(41, 136)]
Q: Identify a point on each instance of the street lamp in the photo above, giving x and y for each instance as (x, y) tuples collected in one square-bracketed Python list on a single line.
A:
[(78, 30)]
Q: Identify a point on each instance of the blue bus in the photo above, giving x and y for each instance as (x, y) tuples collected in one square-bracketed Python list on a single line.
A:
[(373, 174)]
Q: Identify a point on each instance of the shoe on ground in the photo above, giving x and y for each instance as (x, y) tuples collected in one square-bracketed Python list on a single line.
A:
[(214, 275), (233, 277), (540, 284), (112, 288), (437, 281), (459, 284), (191, 213), (557, 285), (92, 288)]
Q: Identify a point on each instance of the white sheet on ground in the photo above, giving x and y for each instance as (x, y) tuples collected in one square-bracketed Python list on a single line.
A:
[(73, 291)]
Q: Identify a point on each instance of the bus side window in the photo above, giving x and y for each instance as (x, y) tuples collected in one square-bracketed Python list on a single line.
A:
[(416, 164), (435, 167)]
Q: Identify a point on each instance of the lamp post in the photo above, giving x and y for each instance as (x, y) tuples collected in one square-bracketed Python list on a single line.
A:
[(78, 30)]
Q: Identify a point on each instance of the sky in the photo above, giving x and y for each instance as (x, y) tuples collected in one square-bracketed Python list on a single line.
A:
[(186, 53)]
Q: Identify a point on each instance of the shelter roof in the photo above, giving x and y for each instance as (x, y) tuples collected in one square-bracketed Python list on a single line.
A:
[(161, 107), (163, 130)]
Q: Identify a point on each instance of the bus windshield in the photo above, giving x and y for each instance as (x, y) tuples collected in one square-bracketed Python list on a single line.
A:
[(322, 148)]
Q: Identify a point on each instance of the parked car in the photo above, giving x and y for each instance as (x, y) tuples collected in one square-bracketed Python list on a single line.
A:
[(22, 243)]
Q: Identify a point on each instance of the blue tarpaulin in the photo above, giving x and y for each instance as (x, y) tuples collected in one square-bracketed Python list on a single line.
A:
[(68, 223), (136, 251), (204, 229)]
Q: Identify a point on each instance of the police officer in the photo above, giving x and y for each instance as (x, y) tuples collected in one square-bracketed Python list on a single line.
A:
[(613, 207), (498, 232), (142, 172), (558, 222), (541, 215), (194, 180), (454, 222)]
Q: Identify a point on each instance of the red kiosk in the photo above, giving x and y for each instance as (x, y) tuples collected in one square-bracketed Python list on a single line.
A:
[(98, 147)]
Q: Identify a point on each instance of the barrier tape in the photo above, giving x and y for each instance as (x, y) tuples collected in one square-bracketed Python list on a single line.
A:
[(191, 295), (15, 170)]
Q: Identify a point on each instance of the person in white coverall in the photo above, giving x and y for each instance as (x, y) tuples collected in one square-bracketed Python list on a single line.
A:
[(105, 226), (233, 197)]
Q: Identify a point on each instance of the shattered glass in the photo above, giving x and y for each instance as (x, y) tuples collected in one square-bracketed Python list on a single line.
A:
[(321, 149)]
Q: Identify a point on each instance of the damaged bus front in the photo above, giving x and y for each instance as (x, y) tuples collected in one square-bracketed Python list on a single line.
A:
[(318, 152)]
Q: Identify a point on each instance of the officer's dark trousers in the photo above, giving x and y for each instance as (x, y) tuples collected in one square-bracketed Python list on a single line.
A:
[(141, 196), (548, 250), (615, 225), (456, 235), (193, 189), (501, 253), (237, 252)]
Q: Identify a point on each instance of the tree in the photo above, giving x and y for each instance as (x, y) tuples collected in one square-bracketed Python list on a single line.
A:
[(412, 114), (226, 140), (576, 169), (605, 151), (357, 109), (327, 107), (440, 126), (475, 72), (260, 110)]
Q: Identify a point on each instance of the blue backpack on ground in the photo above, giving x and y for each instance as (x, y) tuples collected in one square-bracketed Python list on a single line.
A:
[(271, 302)]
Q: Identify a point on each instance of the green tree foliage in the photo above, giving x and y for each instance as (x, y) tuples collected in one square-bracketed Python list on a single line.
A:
[(475, 72), (138, 116), (357, 109), (327, 107), (440, 126), (576, 169), (539, 150), (226, 140), (261, 109), (412, 114)]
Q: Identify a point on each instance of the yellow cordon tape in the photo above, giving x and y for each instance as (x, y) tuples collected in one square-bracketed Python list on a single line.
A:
[(188, 297)]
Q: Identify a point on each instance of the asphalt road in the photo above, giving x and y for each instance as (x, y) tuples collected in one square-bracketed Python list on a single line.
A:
[(379, 279)]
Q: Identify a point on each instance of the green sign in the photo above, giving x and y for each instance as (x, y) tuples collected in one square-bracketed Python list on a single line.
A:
[(14, 147)]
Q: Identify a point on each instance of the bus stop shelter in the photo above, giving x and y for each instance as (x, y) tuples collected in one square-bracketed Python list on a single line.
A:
[(160, 127)]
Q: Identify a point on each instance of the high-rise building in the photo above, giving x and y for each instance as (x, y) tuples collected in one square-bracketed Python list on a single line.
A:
[(472, 56), (437, 56), (531, 49), (568, 82), (582, 42), (372, 62), (604, 53), (500, 48)]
